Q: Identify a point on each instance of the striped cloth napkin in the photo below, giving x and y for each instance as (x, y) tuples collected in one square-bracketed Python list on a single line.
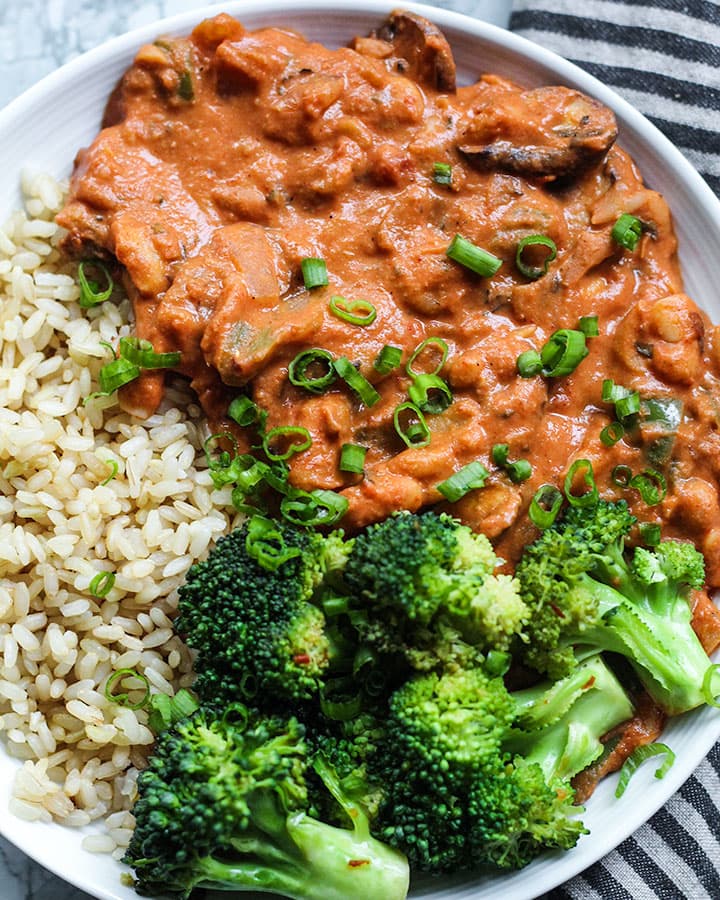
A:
[(663, 56)]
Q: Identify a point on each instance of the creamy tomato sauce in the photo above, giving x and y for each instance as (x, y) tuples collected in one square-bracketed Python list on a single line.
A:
[(228, 157)]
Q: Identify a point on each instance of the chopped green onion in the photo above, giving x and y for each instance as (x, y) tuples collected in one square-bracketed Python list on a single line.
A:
[(221, 461), (350, 375), (590, 497), (123, 699), (589, 326), (474, 258), (356, 312), (563, 352), (545, 506), (529, 364), (243, 411), (649, 533), (387, 359), (141, 354), (335, 606), (612, 433), (185, 86), (352, 458), (101, 584), (707, 686), (286, 431), (626, 231), (114, 375), (318, 507), (430, 394), (442, 173), (114, 470), (166, 711), (532, 240), (311, 360), (428, 342), (518, 471), (651, 486), (499, 454), (314, 272), (345, 707), (469, 478), (266, 544), (627, 406), (412, 428), (90, 293), (621, 476), (497, 662), (638, 757)]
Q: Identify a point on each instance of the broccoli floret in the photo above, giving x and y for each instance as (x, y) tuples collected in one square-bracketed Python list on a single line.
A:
[(223, 805), (585, 591), (425, 580), (559, 725), (454, 799), (246, 611)]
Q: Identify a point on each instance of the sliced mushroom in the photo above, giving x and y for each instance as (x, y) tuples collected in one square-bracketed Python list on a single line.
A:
[(525, 138), (420, 50)]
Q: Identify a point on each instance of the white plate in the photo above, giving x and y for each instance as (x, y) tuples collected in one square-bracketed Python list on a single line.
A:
[(44, 128)]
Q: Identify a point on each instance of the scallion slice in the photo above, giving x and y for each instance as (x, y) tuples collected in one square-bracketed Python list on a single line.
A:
[(627, 231), (430, 394), (563, 352), (185, 90), (649, 533), (141, 353), (420, 349), (101, 584), (114, 468), (313, 508), (711, 698), (469, 478), (627, 406), (123, 699), (534, 240), (350, 375), (518, 471), (638, 757), (243, 411), (286, 434), (266, 544), (356, 312), (219, 460), (166, 711), (591, 496), (499, 454), (621, 475), (651, 485), (90, 293), (116, 374), (545, 506), (352, 458), (474, 258), (387, 359), (612, 433), (314, 272), (442, 173), (308, 361), (589, 326), (411, 426), (529, 364)]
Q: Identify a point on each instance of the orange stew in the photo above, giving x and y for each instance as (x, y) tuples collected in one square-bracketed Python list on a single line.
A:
[(229, 157)]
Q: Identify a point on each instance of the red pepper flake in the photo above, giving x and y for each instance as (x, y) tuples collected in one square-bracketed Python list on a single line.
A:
[(589, 683), (354, 863), (558, 612), (302, 659)]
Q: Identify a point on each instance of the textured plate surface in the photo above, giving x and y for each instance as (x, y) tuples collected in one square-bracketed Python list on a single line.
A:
[(43, 129)]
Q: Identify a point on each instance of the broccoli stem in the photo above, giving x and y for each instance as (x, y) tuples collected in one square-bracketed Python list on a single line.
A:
[(328, 863)]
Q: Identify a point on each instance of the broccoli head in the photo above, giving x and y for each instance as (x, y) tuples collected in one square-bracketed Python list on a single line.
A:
[(454, 799), (223, 805), (246, 611), (586, 592), (423, 580)]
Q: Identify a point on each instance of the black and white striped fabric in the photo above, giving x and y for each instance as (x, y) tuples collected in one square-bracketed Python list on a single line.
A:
[(663, 56)]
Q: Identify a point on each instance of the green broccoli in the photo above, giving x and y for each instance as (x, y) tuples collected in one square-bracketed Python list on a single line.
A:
[(423, 582), (586, 592), (223, 805), (453, 798), (247, 612)]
